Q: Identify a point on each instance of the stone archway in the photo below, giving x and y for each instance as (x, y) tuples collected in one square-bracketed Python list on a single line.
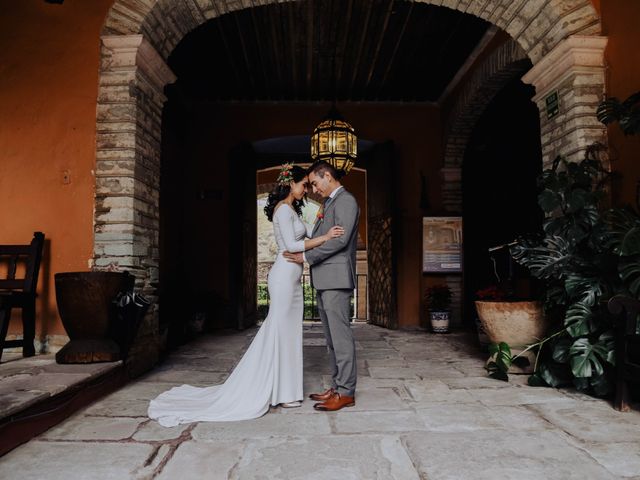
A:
[(505, 63), (560, 37)]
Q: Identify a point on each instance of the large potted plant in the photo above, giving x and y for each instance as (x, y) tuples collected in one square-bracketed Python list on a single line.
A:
[(438, 300), (586, 255), (516, 322)]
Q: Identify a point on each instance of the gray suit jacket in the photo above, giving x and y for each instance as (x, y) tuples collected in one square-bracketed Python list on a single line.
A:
[(333, 264)]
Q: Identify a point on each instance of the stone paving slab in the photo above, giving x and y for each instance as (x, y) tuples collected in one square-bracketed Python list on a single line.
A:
[(77, 460), (25, 382), (47, 364), (80, 427), (176, 375), (16, 401), (204, 460), (265, 426), (491, 454), (522, 395), (593, 421), (348, 421), (458, 417), (425, 409), (437, 391), (621, 459), (119, 405), (154, 432)]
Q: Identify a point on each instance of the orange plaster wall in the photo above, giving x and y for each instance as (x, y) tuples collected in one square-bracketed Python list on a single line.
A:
[(620, 22), (49, 58), (213, 131)]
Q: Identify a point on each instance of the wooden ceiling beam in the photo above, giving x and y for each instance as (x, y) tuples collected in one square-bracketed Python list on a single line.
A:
[(310, 31), (343, 44), (292, 41), (395, 50), (363, 37), (245, 55), (227, 49), (381, 38), (258, 33), (275, 18), (411, 58)]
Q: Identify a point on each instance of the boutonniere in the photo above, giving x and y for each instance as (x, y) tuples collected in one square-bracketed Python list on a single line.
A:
[(320, 214)]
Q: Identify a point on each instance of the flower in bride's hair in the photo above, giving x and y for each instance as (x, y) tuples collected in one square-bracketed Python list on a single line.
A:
[(285, 176)]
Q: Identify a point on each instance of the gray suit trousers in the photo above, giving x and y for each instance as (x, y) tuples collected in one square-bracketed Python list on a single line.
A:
[(334, 309)]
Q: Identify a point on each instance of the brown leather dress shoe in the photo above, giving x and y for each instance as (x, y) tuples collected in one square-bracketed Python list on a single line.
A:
[(336, 402), (322, 397)]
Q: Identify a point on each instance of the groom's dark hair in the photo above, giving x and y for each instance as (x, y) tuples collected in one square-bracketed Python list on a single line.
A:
[(320, 167)]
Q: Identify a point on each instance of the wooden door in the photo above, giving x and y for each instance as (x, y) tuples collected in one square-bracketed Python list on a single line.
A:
[(243, 282), (382, 237)]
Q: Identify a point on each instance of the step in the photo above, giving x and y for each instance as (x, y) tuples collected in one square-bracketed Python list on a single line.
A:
[(36, 393)]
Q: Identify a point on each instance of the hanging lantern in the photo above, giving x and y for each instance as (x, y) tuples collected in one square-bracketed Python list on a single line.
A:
[(335, 142)]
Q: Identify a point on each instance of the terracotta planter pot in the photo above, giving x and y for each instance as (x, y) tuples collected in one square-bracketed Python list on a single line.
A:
[(517, 323), (88, 315)]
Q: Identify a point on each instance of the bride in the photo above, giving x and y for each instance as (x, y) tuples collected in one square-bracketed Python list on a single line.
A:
[(270, 372)]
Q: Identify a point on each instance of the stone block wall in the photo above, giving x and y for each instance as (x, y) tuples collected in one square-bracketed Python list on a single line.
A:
[(127, 215)]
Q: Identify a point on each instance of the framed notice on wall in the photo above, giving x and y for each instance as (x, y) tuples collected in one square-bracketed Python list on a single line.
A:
[(442, 244)]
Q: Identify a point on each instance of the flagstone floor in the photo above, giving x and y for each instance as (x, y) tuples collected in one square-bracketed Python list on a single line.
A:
[(425, 410)]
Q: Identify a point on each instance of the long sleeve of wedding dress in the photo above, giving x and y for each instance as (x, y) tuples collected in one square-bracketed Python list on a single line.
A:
[(285, 222), (270, 372)]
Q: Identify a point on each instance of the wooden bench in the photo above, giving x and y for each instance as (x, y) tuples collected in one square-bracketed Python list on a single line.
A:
[(627, 347), (20, 292)]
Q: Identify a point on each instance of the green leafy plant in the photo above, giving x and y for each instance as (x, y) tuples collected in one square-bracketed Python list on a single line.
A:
[(438, 297), (501, 361), (586, 255), (580, 270), (626, 113)]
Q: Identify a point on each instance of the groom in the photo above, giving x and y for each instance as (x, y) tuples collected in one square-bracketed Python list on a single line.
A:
[(333, 275)]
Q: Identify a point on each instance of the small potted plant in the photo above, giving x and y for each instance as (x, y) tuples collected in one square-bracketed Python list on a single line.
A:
[(438, 299)]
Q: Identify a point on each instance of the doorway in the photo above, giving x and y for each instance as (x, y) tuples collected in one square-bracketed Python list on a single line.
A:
[(355, 182), (501, 164)]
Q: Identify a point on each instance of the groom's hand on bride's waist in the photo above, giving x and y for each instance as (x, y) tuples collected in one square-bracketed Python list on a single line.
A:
[(293, 257)]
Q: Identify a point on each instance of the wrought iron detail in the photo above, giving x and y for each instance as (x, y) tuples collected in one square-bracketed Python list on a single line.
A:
[(382, 293)]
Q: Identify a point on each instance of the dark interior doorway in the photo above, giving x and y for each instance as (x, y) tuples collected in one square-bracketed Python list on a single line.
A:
[(501, 163)]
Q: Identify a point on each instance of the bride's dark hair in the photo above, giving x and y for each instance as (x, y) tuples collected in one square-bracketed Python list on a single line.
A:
[(282, 191)]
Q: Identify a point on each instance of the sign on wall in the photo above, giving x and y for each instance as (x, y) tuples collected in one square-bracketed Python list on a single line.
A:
[(442, 244), (552, 104)]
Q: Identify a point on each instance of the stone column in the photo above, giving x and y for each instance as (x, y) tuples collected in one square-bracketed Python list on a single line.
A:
[(452, 181), (575, 70), (130, 103), (452, 202)]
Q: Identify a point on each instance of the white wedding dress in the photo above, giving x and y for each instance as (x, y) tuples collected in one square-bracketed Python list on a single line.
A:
[(270, 372)]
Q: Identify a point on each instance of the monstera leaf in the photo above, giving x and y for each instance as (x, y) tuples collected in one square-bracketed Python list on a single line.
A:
[(624, 230), (546, 259), (561, 350), (501, 360), (587, 358), (624, 240), (627, 113), (578, 320), (630, 274)]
